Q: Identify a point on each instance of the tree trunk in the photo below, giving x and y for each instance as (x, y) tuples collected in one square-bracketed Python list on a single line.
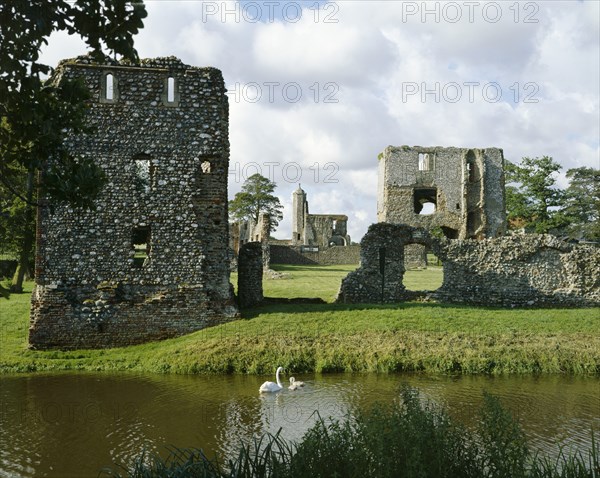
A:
[(28, 237)]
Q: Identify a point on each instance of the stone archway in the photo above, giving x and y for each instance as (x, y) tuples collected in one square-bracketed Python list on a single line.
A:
[(379, 279)]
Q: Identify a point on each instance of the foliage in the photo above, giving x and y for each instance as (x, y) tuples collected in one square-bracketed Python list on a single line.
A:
[(257, 198), (14, 220), (406, 439), (414, 337), (533, 201), (582, 205), (35, 115)]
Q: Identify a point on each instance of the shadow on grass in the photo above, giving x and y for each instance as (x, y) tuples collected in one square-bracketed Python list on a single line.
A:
[(302, 308)]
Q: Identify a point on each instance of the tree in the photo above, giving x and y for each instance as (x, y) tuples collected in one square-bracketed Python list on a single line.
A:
[(17, 221), (533, 201), (582, 208), (255, 198), (35, 115)]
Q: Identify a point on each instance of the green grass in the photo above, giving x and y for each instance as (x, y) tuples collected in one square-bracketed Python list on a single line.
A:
[(324, 281), (406, 439), (423, 337)]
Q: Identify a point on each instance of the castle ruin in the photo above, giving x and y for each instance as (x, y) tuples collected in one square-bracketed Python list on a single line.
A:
[(316, 230), (150, 261), (459, 190)]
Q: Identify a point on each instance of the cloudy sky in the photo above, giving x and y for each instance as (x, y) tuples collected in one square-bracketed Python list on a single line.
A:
[(318, 89)]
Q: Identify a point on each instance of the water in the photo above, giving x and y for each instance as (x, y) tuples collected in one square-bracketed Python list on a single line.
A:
[(73, 425)]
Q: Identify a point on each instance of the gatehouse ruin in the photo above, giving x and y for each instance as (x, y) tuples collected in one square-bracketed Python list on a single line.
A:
[(463, 187), (459, 191), (150, 262)]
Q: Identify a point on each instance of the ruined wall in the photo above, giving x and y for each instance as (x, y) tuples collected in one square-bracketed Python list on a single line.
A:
[(415, 256), (242, 232), (520, 270), (379, 277), (528, 270), (322, 230), (250, 274), (466, 186), (150, 262), (325, 230), (331, 256)]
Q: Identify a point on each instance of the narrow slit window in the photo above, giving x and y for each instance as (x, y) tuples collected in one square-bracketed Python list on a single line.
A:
[(425, 162), (144, 172), (171, 89), (140, 243), (110, 87)]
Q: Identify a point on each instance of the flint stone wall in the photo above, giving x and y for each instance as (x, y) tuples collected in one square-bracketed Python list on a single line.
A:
[(465, 184), (527, 270), (520, 270), (250, 274), (415, 256), (91, 291)]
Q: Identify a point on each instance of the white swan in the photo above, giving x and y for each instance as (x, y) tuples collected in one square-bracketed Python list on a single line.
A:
[(272, 386), (295, 385)]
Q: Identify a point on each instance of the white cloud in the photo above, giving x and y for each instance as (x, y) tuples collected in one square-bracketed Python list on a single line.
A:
[(369, 58)]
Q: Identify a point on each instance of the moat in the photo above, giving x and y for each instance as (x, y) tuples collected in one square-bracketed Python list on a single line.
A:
[(74, 424)]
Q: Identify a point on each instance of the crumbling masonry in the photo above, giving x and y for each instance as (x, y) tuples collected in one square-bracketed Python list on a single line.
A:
[(459, 190), (318, 230), (463, 187), (150, 262), (528, 270)]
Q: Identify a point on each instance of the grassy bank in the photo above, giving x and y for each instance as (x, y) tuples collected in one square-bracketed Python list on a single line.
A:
[(407, 439), (331, 338)]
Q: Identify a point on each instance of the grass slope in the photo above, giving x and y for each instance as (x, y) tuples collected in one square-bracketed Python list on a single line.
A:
[(331, 338)]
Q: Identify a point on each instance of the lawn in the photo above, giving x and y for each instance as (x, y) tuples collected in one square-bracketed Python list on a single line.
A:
[(417, 337), (324, 281)]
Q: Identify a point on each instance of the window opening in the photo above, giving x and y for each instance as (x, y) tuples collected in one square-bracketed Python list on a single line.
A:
[(171, 89), (110, 87), (144, 174), (140, 243), (425, 201), (425, 161), (205, 166)]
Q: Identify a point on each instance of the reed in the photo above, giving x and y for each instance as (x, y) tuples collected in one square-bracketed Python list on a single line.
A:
[(406, 439)]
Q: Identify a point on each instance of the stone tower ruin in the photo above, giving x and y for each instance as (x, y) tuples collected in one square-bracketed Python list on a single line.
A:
[(463, 189), (150, 261), (322, 230)]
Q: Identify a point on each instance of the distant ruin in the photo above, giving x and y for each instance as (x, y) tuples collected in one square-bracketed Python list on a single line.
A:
[(316, 238), (316, 230), (246, 231), (150, 262)]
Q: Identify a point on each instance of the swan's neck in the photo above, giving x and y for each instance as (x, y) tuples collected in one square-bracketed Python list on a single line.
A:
[(277, 378)]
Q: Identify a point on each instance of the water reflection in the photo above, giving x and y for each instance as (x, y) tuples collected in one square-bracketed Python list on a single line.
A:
[(74, 424)]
